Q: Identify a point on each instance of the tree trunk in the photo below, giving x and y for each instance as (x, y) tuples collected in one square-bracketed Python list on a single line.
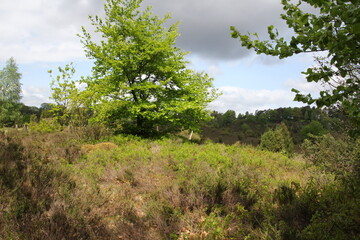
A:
[(191, 134)]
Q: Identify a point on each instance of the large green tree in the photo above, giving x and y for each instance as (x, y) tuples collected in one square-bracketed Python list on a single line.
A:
[(10, 93), (335, 30), (140, 77)]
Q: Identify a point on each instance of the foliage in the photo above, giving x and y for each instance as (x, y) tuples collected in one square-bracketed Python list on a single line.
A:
[(10, 90), (314, 128), (10, 114), (332, 212), (44, 126), (335, 30), (10, 86), (334, 155), (140, 79), (248, 128), (45, 109), (28, 112), (132, 188), (69, 108), (227, 118), (278, 140), (338, 208)]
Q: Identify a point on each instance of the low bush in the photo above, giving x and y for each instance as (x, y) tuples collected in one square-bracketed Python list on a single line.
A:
[(44, 126), (339, 156)]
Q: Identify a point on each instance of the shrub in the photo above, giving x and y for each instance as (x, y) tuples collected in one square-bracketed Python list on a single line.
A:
[(86, 148), (278, 140), (334, 155), (90, 133), (44, 126), (133, 188)]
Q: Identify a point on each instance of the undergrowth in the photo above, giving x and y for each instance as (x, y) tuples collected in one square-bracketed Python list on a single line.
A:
[(74, 185)]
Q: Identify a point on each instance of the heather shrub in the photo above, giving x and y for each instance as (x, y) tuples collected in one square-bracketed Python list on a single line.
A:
[(336, 212), (31, 201), (86, 148), (125, 187), (90, 133)]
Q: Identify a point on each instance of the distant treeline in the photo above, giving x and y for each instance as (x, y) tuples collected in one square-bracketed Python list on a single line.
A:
[(229, 128), (248, 128), (33, 113)]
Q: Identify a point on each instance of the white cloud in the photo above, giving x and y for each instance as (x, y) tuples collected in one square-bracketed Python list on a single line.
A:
[(242, 100), (34, 95), (303, 86), (43, 31), (214, 70)]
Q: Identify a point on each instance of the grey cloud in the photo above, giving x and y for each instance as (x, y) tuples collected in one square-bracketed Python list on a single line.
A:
[(205, 24), (45, 25)]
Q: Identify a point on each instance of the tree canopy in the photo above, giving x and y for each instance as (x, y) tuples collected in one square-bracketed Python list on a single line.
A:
[(335, 30), (10, 93), (69, 106), (10, 87), (278, 140), (140, 77)]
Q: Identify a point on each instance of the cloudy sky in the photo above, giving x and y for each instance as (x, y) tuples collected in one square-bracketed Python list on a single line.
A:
[(41, 35)]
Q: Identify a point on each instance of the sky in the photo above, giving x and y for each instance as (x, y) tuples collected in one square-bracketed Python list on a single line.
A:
[(42, 35)]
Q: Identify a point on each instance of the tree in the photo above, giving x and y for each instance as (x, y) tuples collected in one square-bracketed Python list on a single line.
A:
[(227, 118), (140, 78), (314, 128), (45, 110), (278, 140), (29, 112), (335, 30), (69, 104), (10, 90)]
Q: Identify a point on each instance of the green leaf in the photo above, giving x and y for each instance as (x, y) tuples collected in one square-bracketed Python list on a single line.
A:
[(140, 78)]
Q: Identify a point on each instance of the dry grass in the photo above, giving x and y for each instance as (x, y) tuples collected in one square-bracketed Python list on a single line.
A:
[(105, 146)]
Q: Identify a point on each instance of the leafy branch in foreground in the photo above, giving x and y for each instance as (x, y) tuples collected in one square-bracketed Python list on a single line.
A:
[(335, 30)]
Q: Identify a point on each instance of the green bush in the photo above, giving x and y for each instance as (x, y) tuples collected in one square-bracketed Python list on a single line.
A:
[(336, 212), (333, 155), (278, 140), (44, 126)]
